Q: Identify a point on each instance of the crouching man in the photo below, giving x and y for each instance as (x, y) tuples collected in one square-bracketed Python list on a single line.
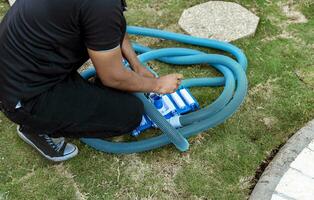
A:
[(42, 44)]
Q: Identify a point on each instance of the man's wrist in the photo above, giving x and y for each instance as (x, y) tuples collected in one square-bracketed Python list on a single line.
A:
[(156, 85)]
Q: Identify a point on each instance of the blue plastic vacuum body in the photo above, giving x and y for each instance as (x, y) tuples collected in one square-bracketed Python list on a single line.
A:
[(170, 106)]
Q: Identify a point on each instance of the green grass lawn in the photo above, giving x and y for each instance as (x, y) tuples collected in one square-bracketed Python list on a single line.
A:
[(222, 161)]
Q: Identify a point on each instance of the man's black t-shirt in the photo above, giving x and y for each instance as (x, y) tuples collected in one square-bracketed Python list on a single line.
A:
[(43, 41)]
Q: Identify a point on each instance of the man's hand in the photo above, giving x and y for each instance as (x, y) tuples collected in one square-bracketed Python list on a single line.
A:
[(168, 84)]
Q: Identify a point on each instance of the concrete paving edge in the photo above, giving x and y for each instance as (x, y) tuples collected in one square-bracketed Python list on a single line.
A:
[(267, 183)]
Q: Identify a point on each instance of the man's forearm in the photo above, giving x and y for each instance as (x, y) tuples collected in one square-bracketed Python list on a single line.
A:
[(129, 54), (112, 73), (130, 81)]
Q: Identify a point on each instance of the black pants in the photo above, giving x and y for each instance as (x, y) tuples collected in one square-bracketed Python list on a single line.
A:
[(78, 108)]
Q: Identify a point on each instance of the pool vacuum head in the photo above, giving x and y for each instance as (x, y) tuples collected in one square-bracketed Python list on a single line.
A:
[(170, 106)]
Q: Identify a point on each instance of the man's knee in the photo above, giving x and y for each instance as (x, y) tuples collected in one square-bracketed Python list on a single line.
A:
[(135, 113)]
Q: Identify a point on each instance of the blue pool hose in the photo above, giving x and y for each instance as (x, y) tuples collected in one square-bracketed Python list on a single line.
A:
[(234, 81)]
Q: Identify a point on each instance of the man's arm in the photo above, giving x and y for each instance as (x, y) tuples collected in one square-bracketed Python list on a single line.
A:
[(130, 55), (112, 73)]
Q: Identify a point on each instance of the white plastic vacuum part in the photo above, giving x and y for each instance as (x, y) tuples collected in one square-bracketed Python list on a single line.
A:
[(175, 121), (187, 97), (169, 103), (177, 99), (143, 122)]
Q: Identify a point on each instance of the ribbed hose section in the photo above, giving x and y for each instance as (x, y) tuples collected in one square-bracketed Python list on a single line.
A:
[(173, 134)]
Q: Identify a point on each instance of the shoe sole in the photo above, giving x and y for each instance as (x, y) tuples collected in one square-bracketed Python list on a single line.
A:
[(54, 159)]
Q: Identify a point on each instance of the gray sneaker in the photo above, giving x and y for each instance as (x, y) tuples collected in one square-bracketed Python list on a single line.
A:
[(54, 149)]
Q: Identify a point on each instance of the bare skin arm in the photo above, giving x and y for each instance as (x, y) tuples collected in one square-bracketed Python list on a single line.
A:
[(130, 55), (112, 73)]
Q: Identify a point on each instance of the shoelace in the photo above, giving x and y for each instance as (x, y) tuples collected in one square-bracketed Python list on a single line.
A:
[(55, 143)]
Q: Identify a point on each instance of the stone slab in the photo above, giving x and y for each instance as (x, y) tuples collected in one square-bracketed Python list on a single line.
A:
[(276, 169), (277, 197), (226, 21), (311, 145), (296, 185), (305, 163)]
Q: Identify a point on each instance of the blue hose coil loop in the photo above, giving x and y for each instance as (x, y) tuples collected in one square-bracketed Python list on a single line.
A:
[(234, 81)]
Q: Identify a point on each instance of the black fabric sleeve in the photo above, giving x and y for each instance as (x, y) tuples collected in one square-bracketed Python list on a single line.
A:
[(102, 24)]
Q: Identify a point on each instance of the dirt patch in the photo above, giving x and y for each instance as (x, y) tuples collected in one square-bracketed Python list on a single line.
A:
[(27, 176), (305, 77), (269, 122), (164, 171), (136, 169), (294, 16), (289, 9), (168, 171), (64, 172), (245, 182), (264, 90), (284, 35), (147, 41), (197, 140)]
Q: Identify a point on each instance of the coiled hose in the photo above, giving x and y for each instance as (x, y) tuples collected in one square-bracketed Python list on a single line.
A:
[(234, 81)]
